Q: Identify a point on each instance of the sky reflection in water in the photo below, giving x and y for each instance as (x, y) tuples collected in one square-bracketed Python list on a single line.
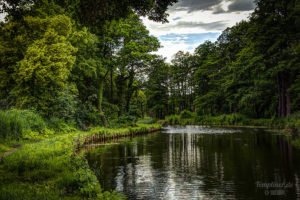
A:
[(200, 163)]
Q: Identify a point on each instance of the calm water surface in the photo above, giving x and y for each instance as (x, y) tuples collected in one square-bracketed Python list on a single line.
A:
[(195, 162)]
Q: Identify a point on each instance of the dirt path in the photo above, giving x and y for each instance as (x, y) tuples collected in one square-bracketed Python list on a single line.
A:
[(9, 152)]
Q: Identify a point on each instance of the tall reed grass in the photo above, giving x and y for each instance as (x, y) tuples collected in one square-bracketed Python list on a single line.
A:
[(15, 122)]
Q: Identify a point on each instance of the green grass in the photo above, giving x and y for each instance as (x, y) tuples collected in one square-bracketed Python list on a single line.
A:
[(146, 121), (14, 123), (51, 170), (4, 148)]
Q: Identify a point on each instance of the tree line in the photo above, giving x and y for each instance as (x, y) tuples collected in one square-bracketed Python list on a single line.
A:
[(252, 69), (92, 63)]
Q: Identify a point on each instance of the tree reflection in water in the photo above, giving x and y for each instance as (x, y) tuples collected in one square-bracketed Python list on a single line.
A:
[(200, 162)]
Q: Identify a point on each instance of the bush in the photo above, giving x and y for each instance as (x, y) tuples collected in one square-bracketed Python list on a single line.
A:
[(127, 120), (186, 114), (161, 122), (146, 121), (4, 148), (13, 123), (65, 105), (110, 110), (59, 125), (173, 119)]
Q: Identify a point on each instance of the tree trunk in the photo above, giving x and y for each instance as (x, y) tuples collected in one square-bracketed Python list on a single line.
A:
[(100, 98), (142, 110), (279, 95), (284, 98), (288, 95), (130, 90), (111, 86)]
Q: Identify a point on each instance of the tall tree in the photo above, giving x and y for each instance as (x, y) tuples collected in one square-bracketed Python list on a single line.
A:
[(135, 52), (157, 88), (47, 63), (274, 33)]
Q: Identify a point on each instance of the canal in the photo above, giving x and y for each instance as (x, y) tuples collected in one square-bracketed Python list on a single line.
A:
[(194, 162)]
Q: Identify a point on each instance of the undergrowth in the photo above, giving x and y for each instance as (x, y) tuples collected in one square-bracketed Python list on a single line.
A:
[(14, 123)]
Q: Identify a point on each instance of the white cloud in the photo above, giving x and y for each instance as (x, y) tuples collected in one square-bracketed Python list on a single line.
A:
[(172, 47), (198, 17), (182, 42), (2, 16), (215, 19)]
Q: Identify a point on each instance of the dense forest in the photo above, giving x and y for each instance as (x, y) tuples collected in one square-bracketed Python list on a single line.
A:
[(92, 63), (77, 61)]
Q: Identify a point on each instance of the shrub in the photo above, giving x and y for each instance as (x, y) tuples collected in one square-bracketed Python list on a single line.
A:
[(173, 119), (127, 119), (161, 122), (59, 125), (65, 105), (186, 114), (110, 110), (146, 121)]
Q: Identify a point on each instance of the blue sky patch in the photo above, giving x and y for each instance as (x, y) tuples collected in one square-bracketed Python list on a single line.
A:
[(176, 18), (190, 39)]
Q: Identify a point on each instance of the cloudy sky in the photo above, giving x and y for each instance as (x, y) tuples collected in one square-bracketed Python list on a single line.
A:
[(191, 22)]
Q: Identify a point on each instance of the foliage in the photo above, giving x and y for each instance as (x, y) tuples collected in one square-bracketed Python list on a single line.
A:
[(60, 125), (157, 88), (46, 65), (127, 120), (15, 123), (4, 148), (186, 114), (76, 64), (173, 119), (53, 62), (65, 106), (146, 121), (252, 69), (291, 123)]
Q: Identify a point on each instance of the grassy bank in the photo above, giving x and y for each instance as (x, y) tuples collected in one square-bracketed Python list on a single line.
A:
[(50, 169), (291, 123)]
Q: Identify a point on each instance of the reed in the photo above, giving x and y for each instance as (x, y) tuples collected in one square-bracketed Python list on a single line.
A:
[(13, 123)]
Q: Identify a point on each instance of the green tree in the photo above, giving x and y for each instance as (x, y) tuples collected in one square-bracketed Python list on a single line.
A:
[(157, 88), (134, 54), (47, 63), (275, 33)]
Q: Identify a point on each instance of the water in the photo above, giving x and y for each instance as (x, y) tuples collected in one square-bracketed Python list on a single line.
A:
[(200, 163)]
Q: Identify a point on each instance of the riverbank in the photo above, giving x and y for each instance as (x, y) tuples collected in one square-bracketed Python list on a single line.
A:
[(53, 168), (289, 124)]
